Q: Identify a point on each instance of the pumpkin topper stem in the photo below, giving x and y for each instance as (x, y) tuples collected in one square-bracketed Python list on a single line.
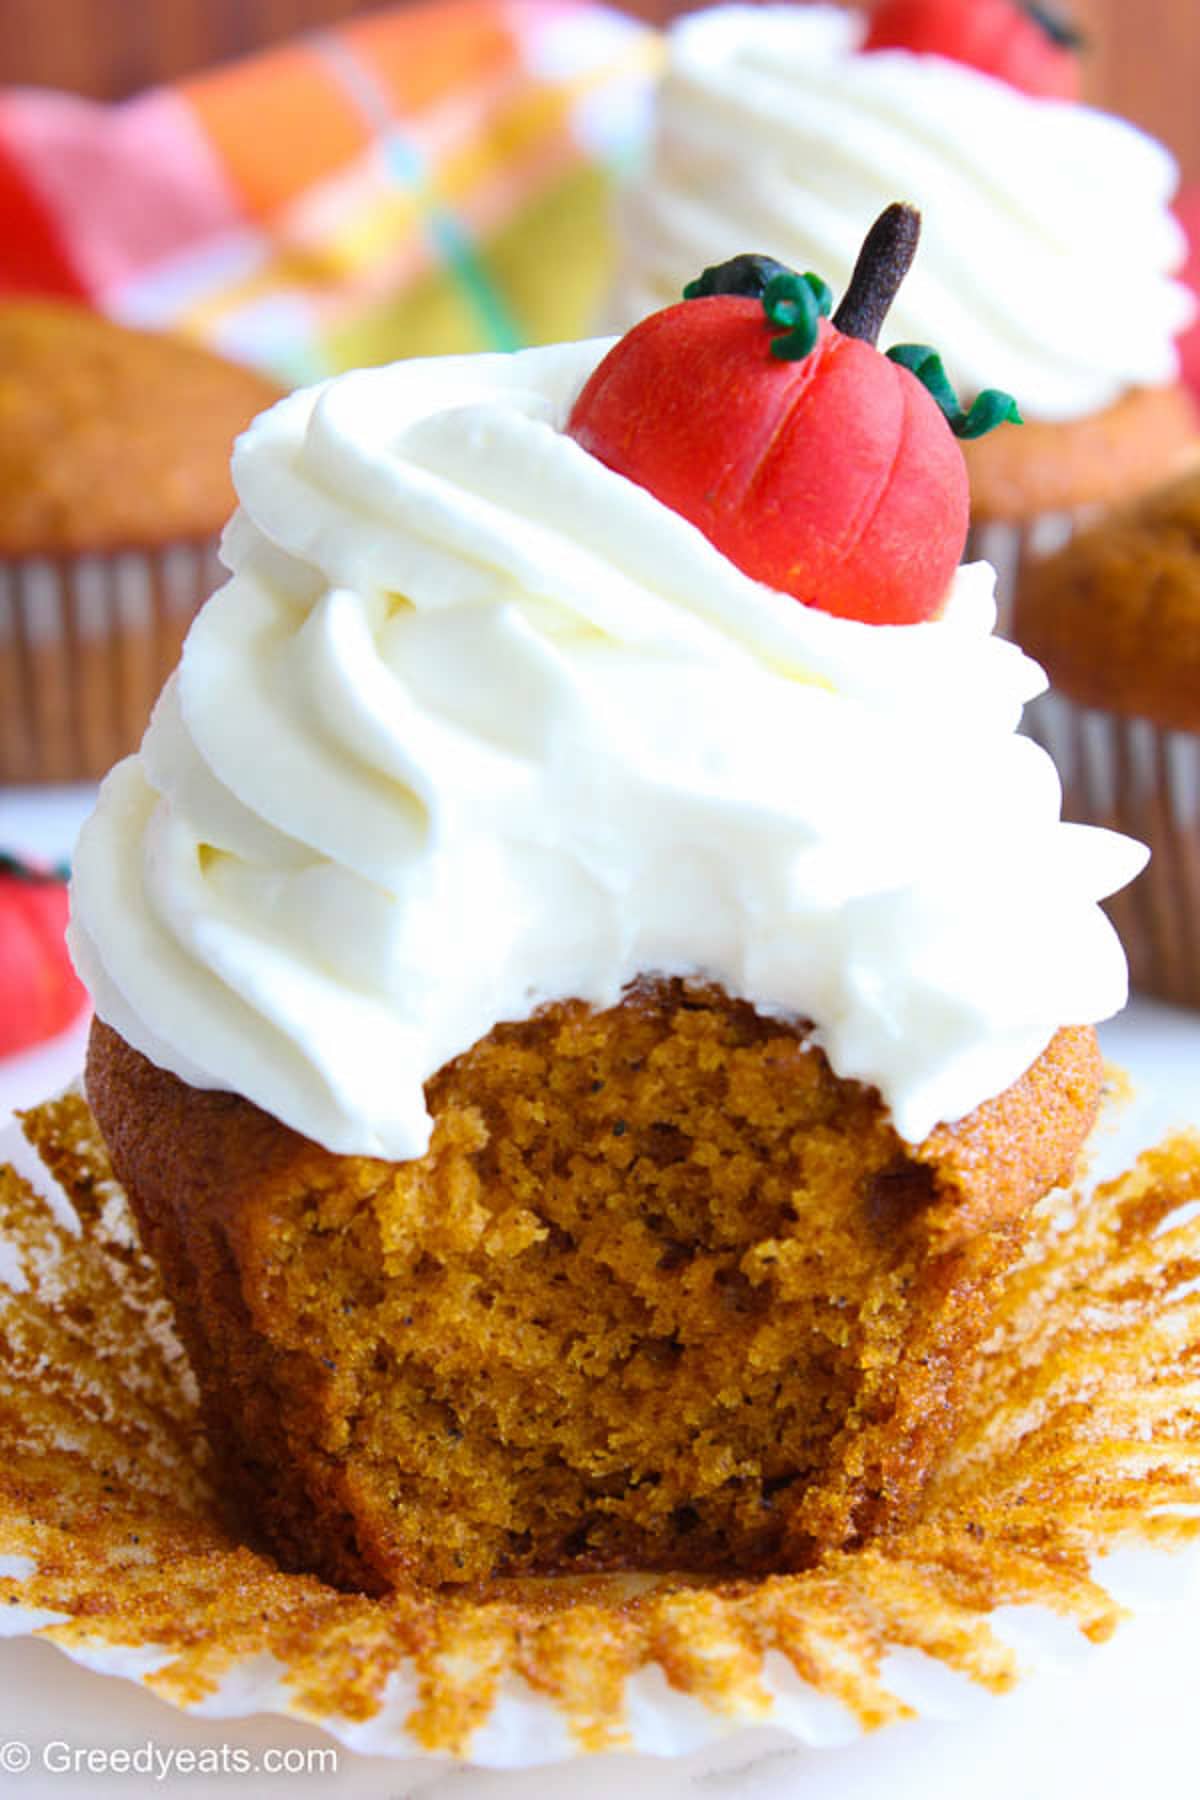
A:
[(883, 262)]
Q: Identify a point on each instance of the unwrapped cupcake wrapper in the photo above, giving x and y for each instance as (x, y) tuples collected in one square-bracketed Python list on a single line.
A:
[(1133, 776), (86, 643), (1083, 1436)]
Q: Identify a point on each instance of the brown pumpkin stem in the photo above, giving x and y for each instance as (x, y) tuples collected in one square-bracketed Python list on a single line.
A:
[(883, 262)]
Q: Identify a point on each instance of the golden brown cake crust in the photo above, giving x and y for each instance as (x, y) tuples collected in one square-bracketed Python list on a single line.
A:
[(1020, 471), (112, 438), (1114, 616), (664, 1292)]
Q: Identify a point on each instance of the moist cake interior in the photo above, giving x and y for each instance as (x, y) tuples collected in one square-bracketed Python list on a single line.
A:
[(664, 1293)]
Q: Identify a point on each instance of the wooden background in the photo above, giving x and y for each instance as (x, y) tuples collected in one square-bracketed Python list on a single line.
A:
[(1145, 62)]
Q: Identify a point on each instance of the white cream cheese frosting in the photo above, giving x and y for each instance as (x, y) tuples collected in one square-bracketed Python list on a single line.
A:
[(1048, 245), (478, 724)]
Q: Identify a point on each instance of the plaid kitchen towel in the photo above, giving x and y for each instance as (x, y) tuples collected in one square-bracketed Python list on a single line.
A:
[(420, 179)]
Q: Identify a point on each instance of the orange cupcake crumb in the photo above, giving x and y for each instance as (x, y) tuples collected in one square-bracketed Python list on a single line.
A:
[(663, 1293)]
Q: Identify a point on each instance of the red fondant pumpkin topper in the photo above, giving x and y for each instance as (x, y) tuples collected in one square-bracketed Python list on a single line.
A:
[(1031, 46), (815, 463), (40, 992)]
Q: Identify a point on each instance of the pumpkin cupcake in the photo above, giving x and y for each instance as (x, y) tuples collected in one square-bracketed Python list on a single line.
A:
[(1115, 618), (782, 124), (114, 453), (592, 983)]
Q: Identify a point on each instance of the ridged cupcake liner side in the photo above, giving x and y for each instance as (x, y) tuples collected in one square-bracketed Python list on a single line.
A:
[(1009, 547), (86, 643), (1133, 776), (1126, 774)]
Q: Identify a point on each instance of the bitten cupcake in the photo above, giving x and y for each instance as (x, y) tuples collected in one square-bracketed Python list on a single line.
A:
[(1115, 618), (781, 125), (592, 981), (114, 457)]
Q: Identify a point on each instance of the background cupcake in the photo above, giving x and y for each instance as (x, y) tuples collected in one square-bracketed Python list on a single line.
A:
[(1115, 619), (1047, 264), (114, 458)]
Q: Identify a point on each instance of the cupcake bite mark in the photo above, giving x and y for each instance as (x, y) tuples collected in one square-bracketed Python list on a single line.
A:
[(815, 463), (1032, 46)]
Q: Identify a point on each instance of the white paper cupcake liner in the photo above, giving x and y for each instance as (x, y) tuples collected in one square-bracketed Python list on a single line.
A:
[(1083, 1434), (86, 643)]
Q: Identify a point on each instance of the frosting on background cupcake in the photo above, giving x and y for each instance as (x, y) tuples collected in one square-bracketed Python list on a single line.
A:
[(1049, 247), (479, 724)]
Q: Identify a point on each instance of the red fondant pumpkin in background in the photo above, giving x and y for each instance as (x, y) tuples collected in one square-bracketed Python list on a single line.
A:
[(40, 993), (1031, 46)]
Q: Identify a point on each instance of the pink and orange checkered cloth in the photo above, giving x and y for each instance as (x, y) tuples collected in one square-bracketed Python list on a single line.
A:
[(420, 179)]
